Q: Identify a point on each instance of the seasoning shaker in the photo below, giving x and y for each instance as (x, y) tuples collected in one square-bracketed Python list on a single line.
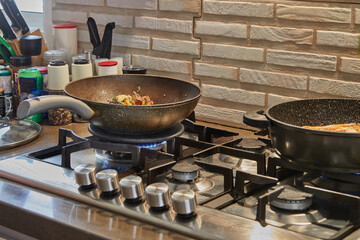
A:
[(81, 68), (108, 68), (6, 83), (58, 75)]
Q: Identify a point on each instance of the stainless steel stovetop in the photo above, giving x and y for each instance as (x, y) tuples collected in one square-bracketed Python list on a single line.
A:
[(237, 182)]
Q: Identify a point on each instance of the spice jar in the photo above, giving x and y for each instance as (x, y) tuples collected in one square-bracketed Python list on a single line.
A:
[(81, 68), (108, 68), (6, 84), (58, 75)]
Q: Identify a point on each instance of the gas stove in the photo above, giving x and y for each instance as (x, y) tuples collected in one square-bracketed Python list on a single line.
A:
[(199, 181)]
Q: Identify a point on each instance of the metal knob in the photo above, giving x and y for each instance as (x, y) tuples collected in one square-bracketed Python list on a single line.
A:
[(108, 180), (158, 195), (85, 175), (184, 203), (131, 187)]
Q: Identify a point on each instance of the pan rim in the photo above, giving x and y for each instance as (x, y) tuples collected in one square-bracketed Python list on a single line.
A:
[(161, 105), (311, 131)]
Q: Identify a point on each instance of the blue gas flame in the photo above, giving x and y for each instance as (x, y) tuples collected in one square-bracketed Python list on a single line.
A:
[(151, 145)]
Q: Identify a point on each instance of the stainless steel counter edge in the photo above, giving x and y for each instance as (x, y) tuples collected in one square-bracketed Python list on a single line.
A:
[(208, 224)]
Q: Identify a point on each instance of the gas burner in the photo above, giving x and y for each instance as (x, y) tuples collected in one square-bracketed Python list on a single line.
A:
[(246, 165), (185, 172), (292, 199), (112, 160), (143, 138), (251, 144)]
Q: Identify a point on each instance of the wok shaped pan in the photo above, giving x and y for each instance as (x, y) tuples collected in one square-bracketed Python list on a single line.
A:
[(324, 150), (174, 100)]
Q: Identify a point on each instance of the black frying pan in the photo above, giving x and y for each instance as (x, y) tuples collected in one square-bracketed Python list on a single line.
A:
[(324, 150), (174, 100)]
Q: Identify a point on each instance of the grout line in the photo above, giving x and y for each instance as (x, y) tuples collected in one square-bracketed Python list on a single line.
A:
[(200, 44)]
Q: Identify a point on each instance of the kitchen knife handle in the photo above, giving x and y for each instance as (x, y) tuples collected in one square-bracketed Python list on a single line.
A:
[(16, 15), (14, 24), (7, 31)]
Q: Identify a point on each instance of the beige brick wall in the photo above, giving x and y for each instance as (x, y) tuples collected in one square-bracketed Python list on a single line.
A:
[(247, 54)]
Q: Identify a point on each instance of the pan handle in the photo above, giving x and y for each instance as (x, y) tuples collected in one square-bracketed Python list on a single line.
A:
[(41, 104)]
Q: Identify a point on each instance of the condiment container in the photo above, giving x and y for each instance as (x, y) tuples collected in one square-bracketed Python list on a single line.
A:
[(65, 38), (96, 63), (58, 75), (6, 84), (134, 70), (54, 55), (31, 85), (120, 64), (81, 68), (108, 68), (44, 72), (2, 103)]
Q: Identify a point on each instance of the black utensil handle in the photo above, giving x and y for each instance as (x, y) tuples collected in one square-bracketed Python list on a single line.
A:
[(17, 16), (93, 31), (8, 33)]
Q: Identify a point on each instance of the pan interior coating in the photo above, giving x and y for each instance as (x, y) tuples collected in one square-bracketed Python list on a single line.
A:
[(314, 112)]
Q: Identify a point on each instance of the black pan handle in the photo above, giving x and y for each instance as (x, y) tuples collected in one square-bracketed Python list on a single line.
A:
[(35, 105), (256, 119)]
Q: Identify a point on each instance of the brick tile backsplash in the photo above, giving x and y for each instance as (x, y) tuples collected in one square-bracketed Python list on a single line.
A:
[(164, 24), (233, 95), (249, 54), (216, 71), (338, 39), (302, 60), (176, 46), (131, 41), (234, 30), (124, 21), (350, 65), (132, 4), (219, 113), (276, 34), (233, 52), (335, 87), (314, 14), (163, 64), (81, 2), (274, 99), (69, 16), (180, 5), (239, 8), (273, 79)]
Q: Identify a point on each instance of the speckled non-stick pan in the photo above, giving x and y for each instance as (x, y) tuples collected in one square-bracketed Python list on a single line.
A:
[(324, 150), (174, 100)]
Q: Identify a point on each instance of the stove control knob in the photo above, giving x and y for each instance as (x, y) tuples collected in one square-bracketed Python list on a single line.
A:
[(85, 175), (158, 196), (132, 188), (184, 203), (108, 181)]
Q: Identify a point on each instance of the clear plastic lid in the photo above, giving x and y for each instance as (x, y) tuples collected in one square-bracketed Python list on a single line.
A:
[(54, 55)]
